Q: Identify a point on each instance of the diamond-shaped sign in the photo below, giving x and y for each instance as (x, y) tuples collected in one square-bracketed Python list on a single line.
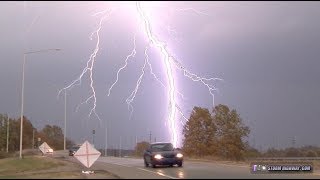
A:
[(45, 148), (87, 154)]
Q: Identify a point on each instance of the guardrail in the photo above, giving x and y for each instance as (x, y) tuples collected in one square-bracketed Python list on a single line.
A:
[(286, 158)]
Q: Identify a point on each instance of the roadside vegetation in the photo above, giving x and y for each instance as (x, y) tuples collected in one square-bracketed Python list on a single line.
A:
[(32, 137), (217, 134), (220, 134), (20, 168)]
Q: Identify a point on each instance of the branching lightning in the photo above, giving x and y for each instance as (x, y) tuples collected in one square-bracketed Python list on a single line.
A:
[(167, 58), (133, 53), (171, 87), (89, 69)]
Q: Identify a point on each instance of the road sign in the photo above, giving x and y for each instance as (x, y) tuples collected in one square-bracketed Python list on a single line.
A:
[(87, 154), (45, 148)]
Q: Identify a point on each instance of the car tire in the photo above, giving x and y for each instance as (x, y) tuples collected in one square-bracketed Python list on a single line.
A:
[(153, 166), (145, 163), (180, 164)]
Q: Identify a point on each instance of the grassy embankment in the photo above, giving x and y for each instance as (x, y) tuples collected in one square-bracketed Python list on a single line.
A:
[(34, 167)]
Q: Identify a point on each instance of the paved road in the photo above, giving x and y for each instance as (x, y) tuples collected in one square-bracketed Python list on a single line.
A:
[(134, 168), (131, 168)]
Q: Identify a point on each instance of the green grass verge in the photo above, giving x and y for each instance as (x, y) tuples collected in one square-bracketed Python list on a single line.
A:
[(11, 166)]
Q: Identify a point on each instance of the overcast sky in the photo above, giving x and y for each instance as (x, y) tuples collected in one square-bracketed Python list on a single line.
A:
[(267, 54)]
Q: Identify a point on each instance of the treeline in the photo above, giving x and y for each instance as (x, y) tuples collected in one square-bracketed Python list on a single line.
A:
[(32, 137), (305, 151), (222, 134), (218, 133)]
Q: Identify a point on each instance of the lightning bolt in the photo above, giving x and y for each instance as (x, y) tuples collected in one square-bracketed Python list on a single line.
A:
[(89, 69), (169, 60), (194, 10), (133, 53), (130, 99), (171, 87)]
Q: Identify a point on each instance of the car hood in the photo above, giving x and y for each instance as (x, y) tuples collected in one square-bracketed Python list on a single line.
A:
[(166, 153)]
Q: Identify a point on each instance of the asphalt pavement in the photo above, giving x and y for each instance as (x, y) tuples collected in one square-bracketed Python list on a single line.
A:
[(133, 168)]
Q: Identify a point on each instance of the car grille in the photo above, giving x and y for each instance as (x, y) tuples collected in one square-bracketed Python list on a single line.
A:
[(169, 155)]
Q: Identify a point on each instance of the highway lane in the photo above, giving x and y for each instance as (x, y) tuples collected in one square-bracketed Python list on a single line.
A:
[(134, 168)]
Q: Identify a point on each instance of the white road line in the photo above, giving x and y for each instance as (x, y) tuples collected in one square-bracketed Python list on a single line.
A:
[(158, 173), (116, 164)]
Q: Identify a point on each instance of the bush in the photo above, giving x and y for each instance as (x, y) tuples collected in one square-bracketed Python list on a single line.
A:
[(292, 152), (31, 152), (311, 153)]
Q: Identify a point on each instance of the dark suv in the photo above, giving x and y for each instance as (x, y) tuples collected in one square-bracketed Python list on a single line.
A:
[(73, 150)]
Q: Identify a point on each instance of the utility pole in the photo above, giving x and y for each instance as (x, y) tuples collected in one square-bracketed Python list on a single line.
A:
[(120, 148), (150, 138), (8, 134), (93, 132), (136, 140), (65, 120), (294, 141), (32, 138), (105, 148), (155, 139), (22, 93)]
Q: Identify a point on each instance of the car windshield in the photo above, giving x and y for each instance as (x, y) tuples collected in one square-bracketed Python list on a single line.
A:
[(75, 147), (162, 147)]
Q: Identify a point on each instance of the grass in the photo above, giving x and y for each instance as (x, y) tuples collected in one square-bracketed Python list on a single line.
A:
[(12, 167), (44, 167), (28, 163)]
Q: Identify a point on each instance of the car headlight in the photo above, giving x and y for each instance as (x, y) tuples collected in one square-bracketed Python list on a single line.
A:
[(158, 156), (179, 155)]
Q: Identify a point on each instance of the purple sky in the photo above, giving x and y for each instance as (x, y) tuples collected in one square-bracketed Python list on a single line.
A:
[(267, 53)]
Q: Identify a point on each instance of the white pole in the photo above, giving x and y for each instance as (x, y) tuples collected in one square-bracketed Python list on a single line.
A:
[(22, 93), (8, 134), (22, 96), (120, 148), (65, 120), (105, 148), (32, 138)]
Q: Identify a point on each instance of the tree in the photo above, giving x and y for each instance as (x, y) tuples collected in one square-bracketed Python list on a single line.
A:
[(272, 152), (230, 132), (221, 133), (311, 153), (27, 133), (141, 147), (293, 152), (53, 136), (251, 152), (14, 135), (199, 133), (3, 130)]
